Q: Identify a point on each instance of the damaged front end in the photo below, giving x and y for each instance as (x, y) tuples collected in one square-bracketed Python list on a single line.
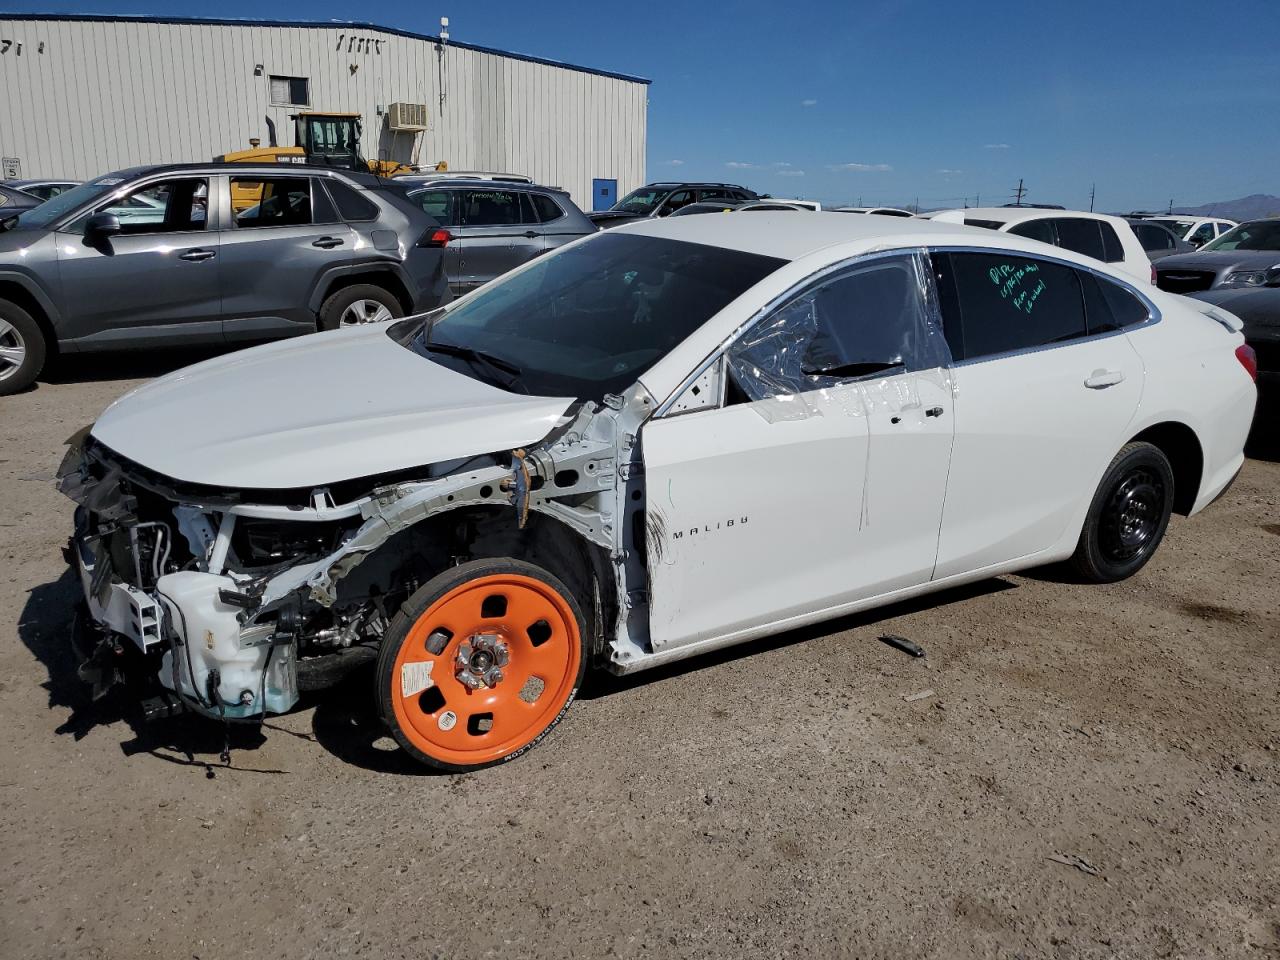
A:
[(237, 600)]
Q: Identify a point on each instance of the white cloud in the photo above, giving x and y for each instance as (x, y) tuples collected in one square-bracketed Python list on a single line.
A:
[(948, 172), (995, 146), (740, 165), (781, 163), (808, 103), (790, 173), (859, 167), (675, 163)]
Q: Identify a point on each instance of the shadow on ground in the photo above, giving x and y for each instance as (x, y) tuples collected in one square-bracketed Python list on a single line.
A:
[(1264, 438), (133, 365)]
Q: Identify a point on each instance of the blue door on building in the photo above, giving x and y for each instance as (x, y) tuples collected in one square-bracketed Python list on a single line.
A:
[(604, 194)]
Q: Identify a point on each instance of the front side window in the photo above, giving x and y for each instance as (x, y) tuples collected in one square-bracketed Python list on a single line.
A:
[(290, 91), (589, 319), (996, 303), (170, 206), (871, 320), (277, 201), (490, 208)]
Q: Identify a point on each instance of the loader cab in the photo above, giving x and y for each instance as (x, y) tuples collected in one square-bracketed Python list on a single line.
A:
[(331, 139)]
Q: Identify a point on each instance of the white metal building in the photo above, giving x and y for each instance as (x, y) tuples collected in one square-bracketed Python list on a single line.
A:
[(82, 95)]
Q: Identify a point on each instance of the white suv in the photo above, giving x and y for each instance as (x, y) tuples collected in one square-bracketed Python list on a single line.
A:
[(1195, 230), (1109, 239)]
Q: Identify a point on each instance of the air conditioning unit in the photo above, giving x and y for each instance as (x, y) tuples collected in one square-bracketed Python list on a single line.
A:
[(409, 116)]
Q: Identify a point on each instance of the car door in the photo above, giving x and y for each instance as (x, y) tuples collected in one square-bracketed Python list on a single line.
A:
[(442, 205), (157, 280), (820, 479), (275, 251), (1043, 402), (493, 236)]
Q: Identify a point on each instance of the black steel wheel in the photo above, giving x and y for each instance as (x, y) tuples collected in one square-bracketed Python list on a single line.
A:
[(1128, 516)]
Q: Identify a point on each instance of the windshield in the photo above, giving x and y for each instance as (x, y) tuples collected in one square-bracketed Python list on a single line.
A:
[(53, 210), (1262, 235), (589, 320), (642, 200)]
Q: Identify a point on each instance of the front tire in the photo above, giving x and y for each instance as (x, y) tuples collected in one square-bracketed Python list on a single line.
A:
[(480, 664), (359, 304), (22, 348), (1128, 516)]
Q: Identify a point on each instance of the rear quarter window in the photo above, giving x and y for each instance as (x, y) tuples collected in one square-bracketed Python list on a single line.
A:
[(350, 203), (1041, 230), (1082, 236)]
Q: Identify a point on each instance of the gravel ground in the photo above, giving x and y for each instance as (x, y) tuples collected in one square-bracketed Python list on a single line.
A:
[(1094, 775)]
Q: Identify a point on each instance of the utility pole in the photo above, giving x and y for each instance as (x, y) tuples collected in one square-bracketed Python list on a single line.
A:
[(1093, 190), (1171, 205), (916, 209), (1019, 193)]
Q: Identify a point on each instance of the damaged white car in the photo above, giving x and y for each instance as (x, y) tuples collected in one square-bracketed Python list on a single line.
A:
[(657, 441)]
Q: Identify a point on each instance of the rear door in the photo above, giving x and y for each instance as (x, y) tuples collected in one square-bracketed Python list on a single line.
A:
[(156, 281), (275, 251), (443, 205), (494, 236), (1043, 402)]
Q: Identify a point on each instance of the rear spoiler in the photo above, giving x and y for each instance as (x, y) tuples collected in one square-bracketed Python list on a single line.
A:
[(1218, 314)]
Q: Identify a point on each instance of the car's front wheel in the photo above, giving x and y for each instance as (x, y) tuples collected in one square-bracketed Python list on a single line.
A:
[(1128, 516), (357, 305), (480, 664), (22, 348)]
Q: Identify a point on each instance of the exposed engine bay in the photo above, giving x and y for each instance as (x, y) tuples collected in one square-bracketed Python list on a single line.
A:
[(236, 600)]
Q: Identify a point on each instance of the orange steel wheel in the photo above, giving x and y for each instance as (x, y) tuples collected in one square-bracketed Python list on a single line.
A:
[(480, 664)]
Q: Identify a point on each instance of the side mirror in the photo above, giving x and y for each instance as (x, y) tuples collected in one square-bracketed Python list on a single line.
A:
[(1272, 278), (102, 226)]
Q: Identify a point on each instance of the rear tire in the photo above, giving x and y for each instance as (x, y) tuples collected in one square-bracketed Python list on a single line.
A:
[(357, 305), (1128, 516), (480, 664), (22, 348)]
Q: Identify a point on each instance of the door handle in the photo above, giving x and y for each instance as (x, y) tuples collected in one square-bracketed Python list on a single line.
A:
[(1100, 379), (196, 255), (933, 412), (531, 235), (327, 243)]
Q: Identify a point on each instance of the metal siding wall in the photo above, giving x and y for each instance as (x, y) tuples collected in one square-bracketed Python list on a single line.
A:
[(107, 95)]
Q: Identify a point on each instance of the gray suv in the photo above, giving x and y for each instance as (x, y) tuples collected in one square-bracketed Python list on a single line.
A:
[(210, 253), (497, 225)]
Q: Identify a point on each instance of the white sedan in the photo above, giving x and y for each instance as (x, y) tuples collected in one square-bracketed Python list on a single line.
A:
[(657, 441)]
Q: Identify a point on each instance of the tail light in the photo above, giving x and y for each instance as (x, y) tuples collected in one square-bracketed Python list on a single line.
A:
[(435, 237), (1248, 359)]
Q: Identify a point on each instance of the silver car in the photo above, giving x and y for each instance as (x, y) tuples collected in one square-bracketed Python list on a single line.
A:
[(498, 225)]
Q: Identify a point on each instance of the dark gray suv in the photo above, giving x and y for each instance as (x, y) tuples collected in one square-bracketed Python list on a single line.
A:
[(157, 256), (497, 225)]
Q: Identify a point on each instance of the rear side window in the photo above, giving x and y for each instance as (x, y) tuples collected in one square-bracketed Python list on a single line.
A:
[(1082, 236), (438, 204), (988, 224), (997, 303), (350, 203), (490, 208), (1112, 252), (1041, 230), (1152, 237), (541, 209), (277, 201)]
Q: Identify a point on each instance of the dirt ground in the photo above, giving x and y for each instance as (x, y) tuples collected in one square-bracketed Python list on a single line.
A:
[(784, 799)]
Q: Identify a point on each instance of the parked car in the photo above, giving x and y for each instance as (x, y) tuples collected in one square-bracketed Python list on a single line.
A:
[(1105, 238), (13, 200), (879, 211), (42, 189), (1157, 239), (709, 206), (496, 226), (812, 206), (654, 442), (1197, 231), (153, 256), (664, 199), (1239, 259)]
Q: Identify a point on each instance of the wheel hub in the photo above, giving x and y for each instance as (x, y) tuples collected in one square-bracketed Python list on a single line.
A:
[(1135, 509), (480, 660)]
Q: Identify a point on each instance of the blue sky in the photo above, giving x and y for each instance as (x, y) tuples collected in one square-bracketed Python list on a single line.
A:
[(890, 100)]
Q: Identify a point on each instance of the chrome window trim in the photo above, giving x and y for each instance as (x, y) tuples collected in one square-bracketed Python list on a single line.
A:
[(782, 299), (1153, 312)]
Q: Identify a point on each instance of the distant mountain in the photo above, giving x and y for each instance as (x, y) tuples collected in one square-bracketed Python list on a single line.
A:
[(1246, 208)]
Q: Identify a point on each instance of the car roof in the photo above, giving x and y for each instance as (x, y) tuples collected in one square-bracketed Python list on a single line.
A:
[(131, 173), (784, 236), (1009, 215), (459, 183), (693, 183)]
